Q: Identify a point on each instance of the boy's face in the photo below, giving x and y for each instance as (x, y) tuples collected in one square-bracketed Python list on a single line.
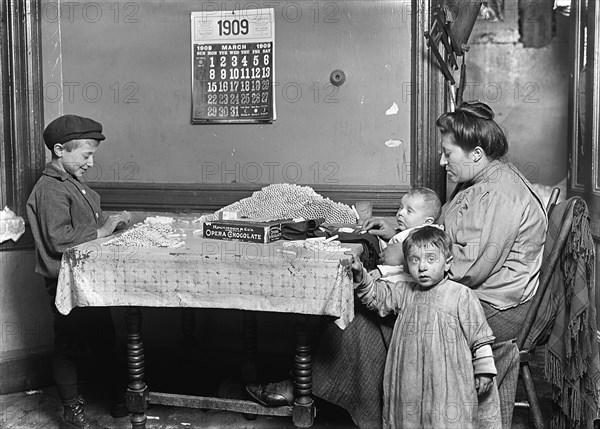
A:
[(392, 255), (427, 265), (79, 159), (412, 212)]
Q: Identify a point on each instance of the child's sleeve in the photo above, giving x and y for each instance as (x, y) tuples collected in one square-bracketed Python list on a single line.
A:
[(483, 361), (477, 332), (390, 270), (58, 226), (379, 295)]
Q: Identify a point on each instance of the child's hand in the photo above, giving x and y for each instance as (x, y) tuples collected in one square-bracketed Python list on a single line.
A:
[(126, 219), (356, 267), (483, 384), (112, 223)]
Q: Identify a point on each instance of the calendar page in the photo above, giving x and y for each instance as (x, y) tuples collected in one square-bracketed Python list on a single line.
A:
[(233, 66)]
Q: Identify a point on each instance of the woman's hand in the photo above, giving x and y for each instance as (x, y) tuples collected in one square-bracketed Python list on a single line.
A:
[(379, 227), (483, 384)]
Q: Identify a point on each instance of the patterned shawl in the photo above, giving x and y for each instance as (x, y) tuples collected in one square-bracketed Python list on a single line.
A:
[(567, 321)]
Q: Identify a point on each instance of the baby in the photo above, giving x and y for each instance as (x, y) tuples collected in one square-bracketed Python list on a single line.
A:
[(418, 207)]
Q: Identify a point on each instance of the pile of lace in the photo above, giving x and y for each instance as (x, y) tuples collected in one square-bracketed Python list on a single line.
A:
[(288, 201), (153, 232)]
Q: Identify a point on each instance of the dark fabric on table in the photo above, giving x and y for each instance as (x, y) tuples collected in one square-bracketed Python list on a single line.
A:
[(301, 230), (370, 243)]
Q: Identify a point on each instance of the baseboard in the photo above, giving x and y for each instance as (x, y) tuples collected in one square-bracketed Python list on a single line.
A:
[(20, 372), (186, 197)]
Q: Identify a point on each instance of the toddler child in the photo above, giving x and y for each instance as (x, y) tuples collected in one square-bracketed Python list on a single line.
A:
[(440, 358)]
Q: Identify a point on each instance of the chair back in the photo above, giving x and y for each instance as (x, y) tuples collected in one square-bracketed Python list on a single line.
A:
[(560, 220)]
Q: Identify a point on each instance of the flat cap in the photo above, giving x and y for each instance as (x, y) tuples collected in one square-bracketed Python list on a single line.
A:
[(71, 127)]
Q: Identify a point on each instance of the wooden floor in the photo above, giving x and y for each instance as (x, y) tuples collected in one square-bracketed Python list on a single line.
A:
[(42, 409)]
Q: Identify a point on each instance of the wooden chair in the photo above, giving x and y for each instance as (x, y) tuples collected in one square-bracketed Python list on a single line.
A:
[(526, 345)]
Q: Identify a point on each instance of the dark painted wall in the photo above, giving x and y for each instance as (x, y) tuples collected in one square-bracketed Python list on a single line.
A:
[(128, 65)]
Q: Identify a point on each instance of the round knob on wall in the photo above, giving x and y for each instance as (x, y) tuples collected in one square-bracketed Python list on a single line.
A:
[(337, 77)]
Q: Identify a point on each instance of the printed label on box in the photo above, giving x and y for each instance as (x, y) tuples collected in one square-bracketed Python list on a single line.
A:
[(243, 231)]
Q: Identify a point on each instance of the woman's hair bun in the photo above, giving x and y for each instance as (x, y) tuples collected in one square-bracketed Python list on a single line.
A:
[(476, 109), (472, 124)]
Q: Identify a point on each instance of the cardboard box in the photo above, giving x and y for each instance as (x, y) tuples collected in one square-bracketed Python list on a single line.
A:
[(251, 231)]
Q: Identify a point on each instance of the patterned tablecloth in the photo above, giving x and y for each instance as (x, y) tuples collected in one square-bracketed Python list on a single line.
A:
[(206, 273)]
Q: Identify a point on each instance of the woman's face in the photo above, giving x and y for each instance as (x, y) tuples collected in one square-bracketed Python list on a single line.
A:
[(458, 163)]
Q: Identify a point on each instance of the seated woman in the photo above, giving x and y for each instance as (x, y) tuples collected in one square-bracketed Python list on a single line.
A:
[(498, 227)]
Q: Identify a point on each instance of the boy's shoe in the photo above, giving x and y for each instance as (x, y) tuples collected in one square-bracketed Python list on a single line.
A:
[(74, 415)]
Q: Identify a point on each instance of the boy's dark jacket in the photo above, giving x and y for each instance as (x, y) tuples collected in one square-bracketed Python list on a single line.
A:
[(63, 212)]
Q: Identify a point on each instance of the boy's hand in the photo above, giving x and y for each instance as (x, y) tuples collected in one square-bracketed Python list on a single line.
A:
[(380, 228), (483, 383), (127, 219), (114, 221)]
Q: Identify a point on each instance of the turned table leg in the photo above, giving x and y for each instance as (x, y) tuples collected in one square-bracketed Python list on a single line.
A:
[(137, 391), (304, 413)]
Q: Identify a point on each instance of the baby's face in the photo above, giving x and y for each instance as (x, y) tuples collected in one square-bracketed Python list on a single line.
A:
[(412, 212), (392, 255)]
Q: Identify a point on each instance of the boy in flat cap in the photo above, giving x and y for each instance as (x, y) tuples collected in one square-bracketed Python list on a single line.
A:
[(64, 212)]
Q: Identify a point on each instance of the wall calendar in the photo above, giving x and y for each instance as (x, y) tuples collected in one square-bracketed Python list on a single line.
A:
[(233, 66)]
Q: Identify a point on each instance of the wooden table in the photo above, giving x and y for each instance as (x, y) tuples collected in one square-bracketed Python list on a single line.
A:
[(209, 274)]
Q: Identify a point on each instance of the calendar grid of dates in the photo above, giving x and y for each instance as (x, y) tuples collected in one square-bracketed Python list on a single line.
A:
[(234, 82)]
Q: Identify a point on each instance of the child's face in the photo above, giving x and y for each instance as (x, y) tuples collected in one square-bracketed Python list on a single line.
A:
[(79, 159), (427, 265), (412, 212), (392, 255)]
